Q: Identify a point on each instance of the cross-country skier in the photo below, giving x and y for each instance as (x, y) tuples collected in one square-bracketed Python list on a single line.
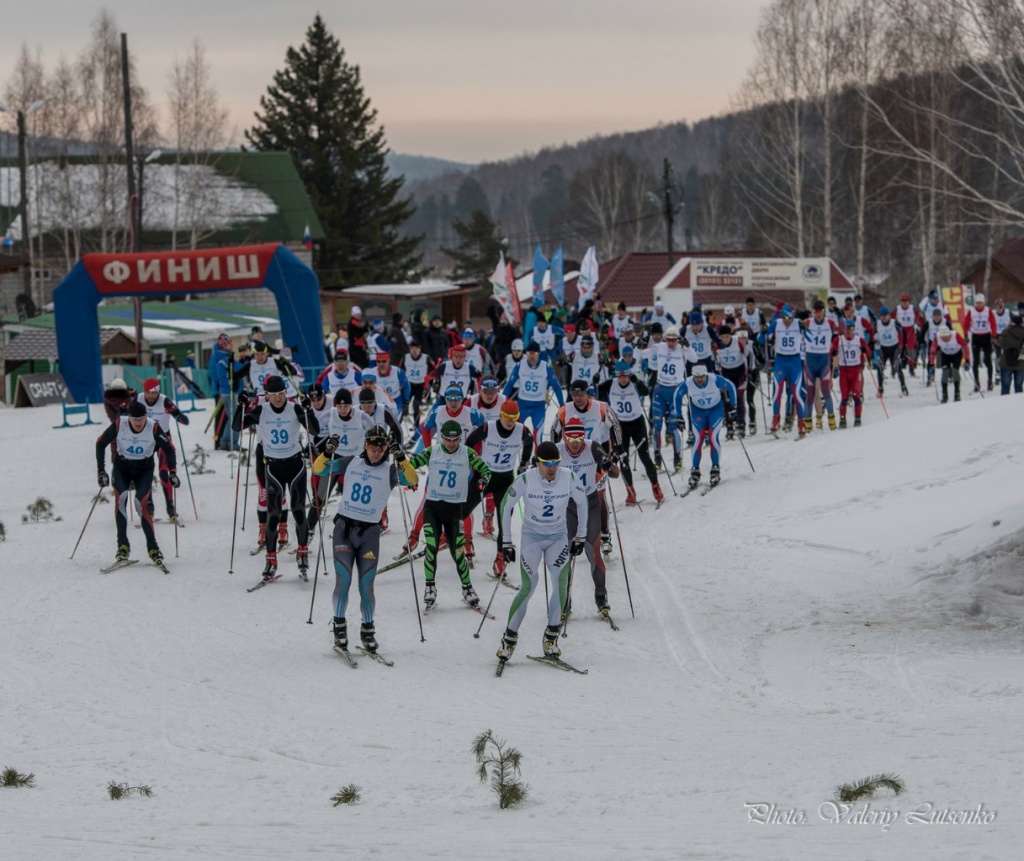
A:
[(505, 446), (586, 363), (785, 335), (545, 492), (278, 424), (453, 370), (451, 467), (733, 357), (950, 349), (819, 332), (488, 400), (366, 481), (889, 349), (136, 438), (394, 382), (589, 462), (850, 351), (624, 395), (264, 365), (340, 375), (980, 324), (533, 377), (415, 365), (706, 393), (162, 409)]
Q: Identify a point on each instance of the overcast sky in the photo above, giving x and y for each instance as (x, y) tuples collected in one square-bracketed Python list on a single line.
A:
[(469, 80)]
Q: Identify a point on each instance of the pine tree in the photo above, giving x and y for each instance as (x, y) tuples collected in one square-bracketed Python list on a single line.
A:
[(476, 254), (317, 110)]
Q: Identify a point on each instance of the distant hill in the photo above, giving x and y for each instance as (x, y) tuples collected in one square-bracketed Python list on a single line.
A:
[(416, 168)]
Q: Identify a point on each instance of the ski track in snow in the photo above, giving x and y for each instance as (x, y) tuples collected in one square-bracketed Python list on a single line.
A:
[(855, 607)]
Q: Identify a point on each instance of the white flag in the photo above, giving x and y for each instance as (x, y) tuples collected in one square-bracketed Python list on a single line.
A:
[(500, 288), (586, 283)]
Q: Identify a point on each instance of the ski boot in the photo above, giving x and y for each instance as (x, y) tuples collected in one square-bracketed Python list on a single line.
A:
[(716, 476), (694, 478), (429, 594), (498, 570), (905, 391), (488, 523), (468, 549), (690, 439), (956, 391), (677, 462), (508, 645), (550, 642), (302, 559), (809, 424), (752, 430), (340, 634), (659, 494), (469, 595), (282, 533), (384, 521), (800, 428), (990, 385), (262, 539), (742, 431), (156, 557), (657, 461), (787, 424), (856, 421), (270, 569), (603, 607), (730, 433), (366, 636), (831, 421), (842, 422), (606, 544), (410, 545), (630, 495), (819, 422), (775, 424), (945, 393), (122, 553)]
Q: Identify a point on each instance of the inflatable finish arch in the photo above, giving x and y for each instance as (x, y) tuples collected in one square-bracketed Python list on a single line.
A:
[(103, 276)]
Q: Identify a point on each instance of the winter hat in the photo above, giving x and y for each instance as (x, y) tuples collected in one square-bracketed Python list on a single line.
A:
[(341, 353), (658, 305), (451, 430), (457, 349), (510, 410), (627, 350), (454, 391), (696, 317), (623, 367), (488, 381), (657, 329), (700, 371), (904, 297), (578, 386), (273, 384), (223, 341), (137, 410), (979, 299), (729, 311), (383, 357), (548, 451), (152, 384), (725, 329), (342, 396), (533, 347), (517, 344), (883, 311), (367, 397), (357, 311), (468, 333), (378, 324), (259, 347), (574, 428), (788, 311), (672, 332), (118, 384), (369, 376), (945, 331)]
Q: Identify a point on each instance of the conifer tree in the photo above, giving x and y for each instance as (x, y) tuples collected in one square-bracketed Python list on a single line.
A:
[(317, 110)]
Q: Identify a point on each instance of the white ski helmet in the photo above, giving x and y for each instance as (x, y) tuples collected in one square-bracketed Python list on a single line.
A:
[(700, 371), (672, 332), (118, 383), (979, 299), (945, 331)]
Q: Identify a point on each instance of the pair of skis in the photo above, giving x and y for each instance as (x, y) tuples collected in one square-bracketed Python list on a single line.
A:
[(124, 563), (429, 608), (550, 660), (374, 656)]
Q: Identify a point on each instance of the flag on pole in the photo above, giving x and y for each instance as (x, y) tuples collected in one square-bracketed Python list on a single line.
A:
[(558, 277), (307, 239), (500, 287), (587, 282), (540, 266), (513, 292)]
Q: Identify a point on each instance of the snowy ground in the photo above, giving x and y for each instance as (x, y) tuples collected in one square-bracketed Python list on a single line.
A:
[(854, 607)]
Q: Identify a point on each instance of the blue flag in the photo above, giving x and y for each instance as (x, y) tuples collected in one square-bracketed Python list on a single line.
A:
[(540, 266), (558, 277)]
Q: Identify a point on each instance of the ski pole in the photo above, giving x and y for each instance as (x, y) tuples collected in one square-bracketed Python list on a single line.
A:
[(745, 452), (568, 597), (245, 495), (88, 516), (321, 522), (188, 477), (668, 475), (234, 524), (878, 392), (764, 408), (174, 498), (622, 555), (412, 568), (497, 583)]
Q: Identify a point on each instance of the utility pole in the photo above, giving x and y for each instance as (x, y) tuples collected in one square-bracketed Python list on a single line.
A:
[(669, 213), (26, 234), (129, 159)]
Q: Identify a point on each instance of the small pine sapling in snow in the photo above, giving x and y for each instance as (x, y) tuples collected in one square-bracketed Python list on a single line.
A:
[(117, 791), (504, 762), (849, 793), (14, 778), (197, 462), (3, 531), (38, 511), (347, 795)]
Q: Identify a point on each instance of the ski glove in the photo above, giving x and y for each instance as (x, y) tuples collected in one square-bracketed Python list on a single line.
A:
[(578, 545), (331, 445), (731, 414), (482, 484), (509, 553), (396, 452), (182, 418), (102, 479), (243, 400), (304, 402), (175, 481)]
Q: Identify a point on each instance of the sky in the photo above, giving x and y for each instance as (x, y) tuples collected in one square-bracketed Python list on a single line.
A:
[(456, 79)]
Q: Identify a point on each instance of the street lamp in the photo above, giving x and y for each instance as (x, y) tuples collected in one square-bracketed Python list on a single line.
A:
[(21, 116)]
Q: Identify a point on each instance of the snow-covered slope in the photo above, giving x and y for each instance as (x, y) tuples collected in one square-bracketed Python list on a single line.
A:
[(854, 607)]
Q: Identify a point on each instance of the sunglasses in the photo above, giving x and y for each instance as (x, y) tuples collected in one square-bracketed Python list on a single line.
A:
[(578, 437), (549, 462)]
